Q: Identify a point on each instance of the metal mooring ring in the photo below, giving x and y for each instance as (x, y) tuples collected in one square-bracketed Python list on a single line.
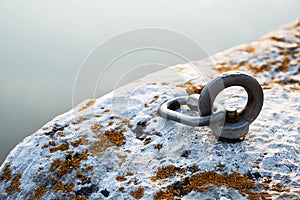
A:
[(238, 128)]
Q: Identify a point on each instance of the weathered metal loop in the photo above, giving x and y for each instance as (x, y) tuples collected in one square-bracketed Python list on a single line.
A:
[(238, 127), (167, 110), (228, 124)]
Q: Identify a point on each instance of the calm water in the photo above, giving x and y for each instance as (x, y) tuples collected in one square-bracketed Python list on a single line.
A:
[(43, 44)]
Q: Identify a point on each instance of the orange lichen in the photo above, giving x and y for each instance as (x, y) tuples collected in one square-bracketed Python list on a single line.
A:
[(126, 121), (138, 194), (80, 197), (117, 138), (96, 128), (222, 67), (155, 98), (147, 142), (63, 167), (167, 172), (55, 163), (259, 69), (100, 145), (77, 143), (169, 194), (81, 177), (87, 105), (121, 178), (14, 185), (61, 147), (64, 188), (110, 123), (105, 111), (61, 134), (38, 193), (89, 167), (122, 189), (191, 88), (158, 146), (279, 189), (52, 143), (194, 168), (250, 49), (202, 183), (81, 119), (6, 175), (122, 158)]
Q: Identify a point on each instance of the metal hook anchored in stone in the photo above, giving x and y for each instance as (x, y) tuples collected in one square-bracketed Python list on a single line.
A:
[(228, 124)]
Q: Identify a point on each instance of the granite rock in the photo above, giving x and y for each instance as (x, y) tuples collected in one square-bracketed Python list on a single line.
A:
[(118, 147)]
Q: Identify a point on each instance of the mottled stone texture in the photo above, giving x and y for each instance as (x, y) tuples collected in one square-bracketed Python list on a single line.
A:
[(118, 147)]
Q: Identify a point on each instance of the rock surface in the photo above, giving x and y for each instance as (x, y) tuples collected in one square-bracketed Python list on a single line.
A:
[(118, 147)]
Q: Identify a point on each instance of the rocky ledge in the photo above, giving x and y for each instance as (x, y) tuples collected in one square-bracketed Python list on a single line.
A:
[(118, 147)]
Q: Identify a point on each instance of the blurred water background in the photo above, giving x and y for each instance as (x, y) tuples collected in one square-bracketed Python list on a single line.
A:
[(43, 44)]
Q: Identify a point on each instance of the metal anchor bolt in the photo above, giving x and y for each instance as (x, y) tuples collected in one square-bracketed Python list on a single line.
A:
[(228, 123)]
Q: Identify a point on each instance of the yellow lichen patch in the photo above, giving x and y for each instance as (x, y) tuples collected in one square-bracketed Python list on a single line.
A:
[(6, 175), (61, 147), (191, 88), (101, 145), (96, 128), (38, 193), (138, 194), (14, 185), (155, 98), (87, 105)]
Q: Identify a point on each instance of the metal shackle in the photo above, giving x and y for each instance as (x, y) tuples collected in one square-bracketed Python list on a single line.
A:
[(239, 127)]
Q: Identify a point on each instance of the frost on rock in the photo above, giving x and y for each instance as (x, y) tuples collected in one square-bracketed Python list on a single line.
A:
[(118, 147)]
